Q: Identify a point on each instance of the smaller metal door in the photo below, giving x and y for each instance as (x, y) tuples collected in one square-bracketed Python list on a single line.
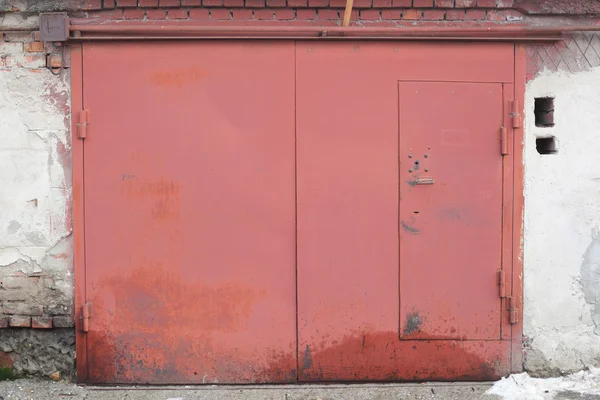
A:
[(450, 210)]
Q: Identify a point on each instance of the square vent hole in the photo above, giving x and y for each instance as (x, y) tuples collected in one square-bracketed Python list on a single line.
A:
[(546, 145), (544, 112)]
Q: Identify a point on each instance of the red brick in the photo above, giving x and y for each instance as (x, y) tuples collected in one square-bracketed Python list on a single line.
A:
[(212, 3), (370, 15), (156, 14), (285, 14), (305, 15), (390, 14), (382, 3), (503, 15), (328, 14), (191, 2), (106, 15), (242, 14), (109, 4), (136, 13), (4, 322), (412, 15), (486, 3), (276, 3), (297, 3), (148, 3), (33, 47), (219, 13), (444, 3), (169, 3), (318, 3), (455, 15), (465, 3), (264, 14), (41, 322), (363, 3), (18, 321), (199, 13), (434, 15), (92, 5), (475, 14), (126, 3), (401, 3), (36, 36), (337, 3), (422, 3), (179, 13)]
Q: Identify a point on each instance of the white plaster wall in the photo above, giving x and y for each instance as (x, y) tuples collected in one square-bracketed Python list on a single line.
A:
[(35, 187), (562, 227)]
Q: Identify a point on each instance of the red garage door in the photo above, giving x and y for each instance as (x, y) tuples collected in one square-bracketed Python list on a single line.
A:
[(281, 211)]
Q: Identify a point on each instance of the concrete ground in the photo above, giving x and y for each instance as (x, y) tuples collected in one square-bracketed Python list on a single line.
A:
[(41, 390)]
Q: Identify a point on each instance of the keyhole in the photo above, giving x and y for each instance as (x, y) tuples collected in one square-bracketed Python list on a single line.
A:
[(416, 165)]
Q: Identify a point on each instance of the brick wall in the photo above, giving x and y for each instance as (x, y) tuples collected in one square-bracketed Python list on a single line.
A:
[(304, 10), (365, 11)]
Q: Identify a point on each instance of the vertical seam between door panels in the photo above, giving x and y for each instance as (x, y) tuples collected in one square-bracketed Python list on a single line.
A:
[(398, 83), (503, 211), (296, 206), (84, 269)]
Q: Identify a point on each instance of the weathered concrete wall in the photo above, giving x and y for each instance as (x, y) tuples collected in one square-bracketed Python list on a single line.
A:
[(562, 226), (36, 277)]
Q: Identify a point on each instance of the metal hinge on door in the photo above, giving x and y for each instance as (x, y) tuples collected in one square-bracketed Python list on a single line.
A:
[(502, 283), (84, 120), (84, 318), (513, 317), (515, 114)]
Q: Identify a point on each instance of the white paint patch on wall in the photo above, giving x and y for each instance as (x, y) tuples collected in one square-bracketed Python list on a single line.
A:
[(562, 227)]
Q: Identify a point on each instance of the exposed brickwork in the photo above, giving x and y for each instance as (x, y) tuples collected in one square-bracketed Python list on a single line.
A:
[(17, 291), (439, 11)]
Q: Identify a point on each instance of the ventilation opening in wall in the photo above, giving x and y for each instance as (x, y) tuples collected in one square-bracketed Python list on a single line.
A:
[(544, 112), (546, 145)]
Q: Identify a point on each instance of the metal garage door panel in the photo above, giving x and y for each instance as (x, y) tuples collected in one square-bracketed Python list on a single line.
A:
[(349, 231), (450, 209), (189, 212)]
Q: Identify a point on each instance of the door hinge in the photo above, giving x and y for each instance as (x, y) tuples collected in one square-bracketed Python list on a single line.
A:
[(84, 120), (504, 141), (84, 318), (502, 283), (515, 114), (513, 315)]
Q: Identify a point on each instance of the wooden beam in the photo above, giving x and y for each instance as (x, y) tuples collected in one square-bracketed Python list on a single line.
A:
[(348, 12)]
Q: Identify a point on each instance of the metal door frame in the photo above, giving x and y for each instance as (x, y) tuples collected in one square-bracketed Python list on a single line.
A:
[(513, 233)]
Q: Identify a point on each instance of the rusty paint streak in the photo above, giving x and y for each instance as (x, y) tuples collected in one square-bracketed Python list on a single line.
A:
[(381, 356), (177, 78)]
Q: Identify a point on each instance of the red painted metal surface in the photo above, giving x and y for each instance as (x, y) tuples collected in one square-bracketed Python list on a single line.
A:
[(190, 231), (450, 230), (190, 212), (353, 164)]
